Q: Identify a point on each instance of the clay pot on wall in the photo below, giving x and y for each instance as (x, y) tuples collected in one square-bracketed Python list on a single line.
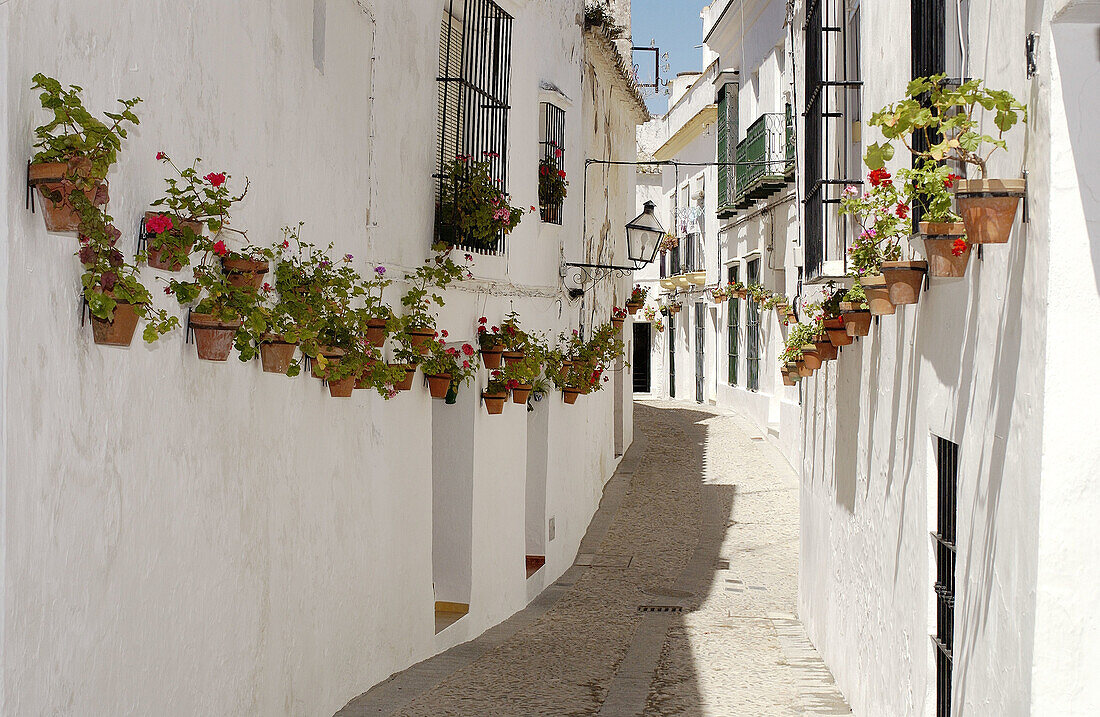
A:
[(988, 207), (419, 339), (439, 384), (878, 296), (633, 308), (244, 273), (331, 353), (494, 402), (803, 370), (59, 215), (787, 380), (857, 321), (512, 357), (521, 393), (213, 338), (569, 394), (617, 323), (810, 357), (837, 335), (410, 373), (342, 388), (939, 246), (275, 354), (158, 258), (362, 381), (825, 348), (492, 357), (376, 332), (119, 331), (904, 280)]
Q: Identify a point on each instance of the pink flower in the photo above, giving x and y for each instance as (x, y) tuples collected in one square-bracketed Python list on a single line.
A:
[(220, 248), (286, 244), (348, 257), (216, 179), (158, 224), (162, 156)]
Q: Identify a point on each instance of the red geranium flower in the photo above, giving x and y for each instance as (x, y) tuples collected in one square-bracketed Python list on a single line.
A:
[(217, 179), (879, 177), (444, 334), (561, 173), (959, 247), (468, 349), (951, 179), (267, 287), (903, 211), (162, 156), (220, 249), (158, 224), (483, 320)]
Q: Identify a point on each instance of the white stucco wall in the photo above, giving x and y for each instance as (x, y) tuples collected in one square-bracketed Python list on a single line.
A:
[(169, 523)]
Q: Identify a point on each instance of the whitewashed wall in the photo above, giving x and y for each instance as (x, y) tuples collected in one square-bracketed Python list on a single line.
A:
[(989, 362), (168, 522)]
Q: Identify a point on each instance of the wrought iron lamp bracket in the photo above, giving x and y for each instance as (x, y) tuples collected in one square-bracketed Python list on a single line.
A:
[(579, 277)]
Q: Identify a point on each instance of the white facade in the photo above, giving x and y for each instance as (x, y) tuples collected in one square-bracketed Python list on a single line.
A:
[(989, 363), (181, 537), (745, 50)]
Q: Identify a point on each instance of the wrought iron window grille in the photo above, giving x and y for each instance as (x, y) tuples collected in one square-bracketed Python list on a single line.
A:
[(553, 153), (946, 552)]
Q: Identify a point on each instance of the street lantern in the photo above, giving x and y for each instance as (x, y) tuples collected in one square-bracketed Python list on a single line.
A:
[(643, 236)]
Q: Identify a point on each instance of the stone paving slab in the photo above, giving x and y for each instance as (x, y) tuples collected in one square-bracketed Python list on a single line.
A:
[(698, 516)]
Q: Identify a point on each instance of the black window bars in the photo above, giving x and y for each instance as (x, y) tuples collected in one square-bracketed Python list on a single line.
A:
[(945, 542), (553, 153), (474, 80), (752, 330), (732, 330)]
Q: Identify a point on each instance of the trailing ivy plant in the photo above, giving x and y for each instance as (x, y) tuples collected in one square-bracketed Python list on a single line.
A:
[(947, 118), (74, 136)]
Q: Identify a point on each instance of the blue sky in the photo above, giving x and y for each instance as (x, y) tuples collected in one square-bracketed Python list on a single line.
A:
[(677, 29)]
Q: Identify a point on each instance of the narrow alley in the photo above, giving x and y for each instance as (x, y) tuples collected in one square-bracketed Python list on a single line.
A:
[(681, 602)]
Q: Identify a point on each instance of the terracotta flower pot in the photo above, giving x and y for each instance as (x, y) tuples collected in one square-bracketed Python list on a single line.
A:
[(60, 216), (904, 280), (419, 339), (673, 310), (158, 258), (492, 357), (521, 393), (119, 331), (825, 348), (569, 394), (740, 293), (439, 384), (362, 381), (803, 370), (617, 323), (878, 295), (633, 308), (213, 338), (939, 246), (781, 311), (376, 332), (244, 273), (837, 335), (331, 353), (407, 382), (342, 388), (988, 207), (810, 357), (276, 354), (494, 402), (512, 357), (857, 321), (787, 380)]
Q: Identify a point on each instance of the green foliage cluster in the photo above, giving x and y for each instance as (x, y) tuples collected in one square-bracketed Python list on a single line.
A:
[(473, 210)]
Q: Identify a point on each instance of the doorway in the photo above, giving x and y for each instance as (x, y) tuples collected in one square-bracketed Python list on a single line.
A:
[(642, 360), (700, 334)]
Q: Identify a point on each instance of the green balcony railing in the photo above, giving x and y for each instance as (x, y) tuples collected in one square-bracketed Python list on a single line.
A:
[(763, 158)]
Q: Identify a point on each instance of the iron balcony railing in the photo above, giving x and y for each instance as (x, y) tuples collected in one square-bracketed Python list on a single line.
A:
[(763, 158)]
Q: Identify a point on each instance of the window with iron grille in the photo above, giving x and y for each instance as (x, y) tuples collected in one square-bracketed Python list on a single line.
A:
[(752, 330), (474, 79), (732, 329), (727, 148), (552, 132), (832, 89), (945, 541)]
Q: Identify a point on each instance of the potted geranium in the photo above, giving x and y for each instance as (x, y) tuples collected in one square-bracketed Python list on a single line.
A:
[(515, 339), (618, 317), (553, 186), (417, 326), (74, 152), (112, 288), (447, 367), (190, 204), (942, 230), (522, 375), (495, 394), (854, 312), (472, 209), (490, 343), (637, 298), (947, 116)]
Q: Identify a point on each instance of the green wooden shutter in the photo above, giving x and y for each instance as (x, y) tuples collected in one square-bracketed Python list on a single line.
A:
[(723, 149)]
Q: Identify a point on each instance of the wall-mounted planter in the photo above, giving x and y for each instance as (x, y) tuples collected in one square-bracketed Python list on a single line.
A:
[(158, 258), (119, 331), (439, 384), (342, 388), (878, 296), (213, 338), (787, 379), (57, 210), (331, 353), (617, 323), (939, 246), (825, 348), (362, 381), (674, 309), (494, 402), (511, 358), (857, 321), (376, 332), (276, 354), (410, 373), (633, 307), (492, 358), (838, 336), (810, 357), (419, 339), (243, 272), (803, 369), (521, 393), (988, 207), (904, 280), (569, 394)]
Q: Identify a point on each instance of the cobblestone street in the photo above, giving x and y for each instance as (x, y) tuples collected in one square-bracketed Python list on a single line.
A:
[(681, 602)]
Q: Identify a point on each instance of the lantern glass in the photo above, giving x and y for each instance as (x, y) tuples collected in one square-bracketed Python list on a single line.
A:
[(643, 236)]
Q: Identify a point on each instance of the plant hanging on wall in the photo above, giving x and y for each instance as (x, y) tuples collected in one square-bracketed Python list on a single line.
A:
[(417, 327), (75, 150), (473, 210), (553, 187)]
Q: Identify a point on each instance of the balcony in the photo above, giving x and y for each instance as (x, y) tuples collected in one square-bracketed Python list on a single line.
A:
[(765, 160)]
